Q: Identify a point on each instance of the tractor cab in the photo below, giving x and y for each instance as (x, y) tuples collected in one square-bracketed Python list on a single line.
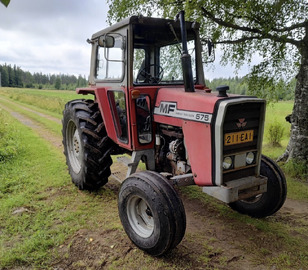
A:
[(130, 61), (144, 51)]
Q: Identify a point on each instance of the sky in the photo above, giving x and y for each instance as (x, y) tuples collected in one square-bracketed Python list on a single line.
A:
[(49, 36)]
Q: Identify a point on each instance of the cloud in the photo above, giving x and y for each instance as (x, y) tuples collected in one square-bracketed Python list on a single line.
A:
[(50, 36)]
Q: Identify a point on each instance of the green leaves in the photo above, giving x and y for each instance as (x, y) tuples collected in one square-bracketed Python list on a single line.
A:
[(271, 31), (5, 2)]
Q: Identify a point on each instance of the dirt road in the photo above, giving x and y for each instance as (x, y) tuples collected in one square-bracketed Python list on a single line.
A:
[(215, 237)]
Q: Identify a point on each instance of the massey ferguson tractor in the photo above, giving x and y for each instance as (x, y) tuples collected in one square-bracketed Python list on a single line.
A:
[(151, 103)]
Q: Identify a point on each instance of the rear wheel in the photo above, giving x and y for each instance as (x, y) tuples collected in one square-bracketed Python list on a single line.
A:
[(151, 212), (269, 202), (86, 145)]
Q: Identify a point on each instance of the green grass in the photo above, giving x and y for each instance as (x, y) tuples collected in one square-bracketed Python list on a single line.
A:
[(8, 145), (50, 125), (36, 182), (50, 100), (276, 113)]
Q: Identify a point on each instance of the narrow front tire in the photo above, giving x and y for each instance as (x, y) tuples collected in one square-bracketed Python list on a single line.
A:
[(151, 212)]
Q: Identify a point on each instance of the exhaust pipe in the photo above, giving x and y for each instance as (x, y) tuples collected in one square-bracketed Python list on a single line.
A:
[(185, 58)]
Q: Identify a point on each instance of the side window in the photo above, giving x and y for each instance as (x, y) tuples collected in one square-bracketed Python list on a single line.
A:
[(139, 64), (170, 61), (144, 121), (110, 57), (118, 108)]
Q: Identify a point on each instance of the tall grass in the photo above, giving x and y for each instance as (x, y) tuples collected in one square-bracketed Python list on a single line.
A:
[(9, 146), (275, 134), (50, 100)]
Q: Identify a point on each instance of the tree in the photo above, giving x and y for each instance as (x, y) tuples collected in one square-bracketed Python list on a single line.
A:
[(58, 83), (5, 2), (4, 76), (274, 30)]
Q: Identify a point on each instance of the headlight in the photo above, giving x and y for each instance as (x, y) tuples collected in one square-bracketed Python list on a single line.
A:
[(250, 158), (227, 163)]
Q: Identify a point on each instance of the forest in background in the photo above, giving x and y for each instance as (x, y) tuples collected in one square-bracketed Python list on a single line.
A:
[(239, 85), (16, 77)]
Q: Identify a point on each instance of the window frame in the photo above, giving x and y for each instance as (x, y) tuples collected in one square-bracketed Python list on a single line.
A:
[(104, 53), (151, 120), (116, 117)]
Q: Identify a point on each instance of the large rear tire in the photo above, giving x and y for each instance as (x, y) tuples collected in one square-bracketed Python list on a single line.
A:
[(269, 202), (151, 212), (86, 144)]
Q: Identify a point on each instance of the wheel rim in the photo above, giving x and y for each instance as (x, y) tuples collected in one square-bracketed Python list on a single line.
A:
[(73, 147), (253, 200), (140, 216)]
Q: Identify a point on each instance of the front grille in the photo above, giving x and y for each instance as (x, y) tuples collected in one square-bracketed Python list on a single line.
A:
[(242, 117)]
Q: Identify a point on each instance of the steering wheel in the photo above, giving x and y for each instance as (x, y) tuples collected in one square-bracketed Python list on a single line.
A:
[(146, 77)]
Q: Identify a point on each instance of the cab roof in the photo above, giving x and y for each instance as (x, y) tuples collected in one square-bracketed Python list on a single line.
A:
[(145, 22)]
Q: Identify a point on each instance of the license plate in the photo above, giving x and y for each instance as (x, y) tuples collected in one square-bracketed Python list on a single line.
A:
[(238, 137)]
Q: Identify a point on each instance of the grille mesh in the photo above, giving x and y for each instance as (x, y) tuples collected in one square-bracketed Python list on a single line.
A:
[(251, 112)]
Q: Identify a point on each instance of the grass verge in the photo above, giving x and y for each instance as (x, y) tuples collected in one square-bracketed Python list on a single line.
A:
[(39, 208), (8, 145)]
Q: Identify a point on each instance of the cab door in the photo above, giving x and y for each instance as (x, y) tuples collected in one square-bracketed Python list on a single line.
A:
[(111, 83)]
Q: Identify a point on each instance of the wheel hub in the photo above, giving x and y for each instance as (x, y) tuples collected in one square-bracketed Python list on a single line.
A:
[(76, 143), (74, 149), (140, 217)]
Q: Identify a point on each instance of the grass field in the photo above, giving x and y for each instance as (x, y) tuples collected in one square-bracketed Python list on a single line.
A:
[(42, 214), (276, 113), (49, 100)]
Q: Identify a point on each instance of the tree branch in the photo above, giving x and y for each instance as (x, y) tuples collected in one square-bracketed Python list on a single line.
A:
[(229, 24), (262, 34), (292, 27), (237, 41)]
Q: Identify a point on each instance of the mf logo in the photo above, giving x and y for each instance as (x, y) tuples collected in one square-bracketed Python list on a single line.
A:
[(167, 107), (241, 123)]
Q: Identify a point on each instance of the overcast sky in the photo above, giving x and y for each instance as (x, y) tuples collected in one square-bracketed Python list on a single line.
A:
[(49, 36)]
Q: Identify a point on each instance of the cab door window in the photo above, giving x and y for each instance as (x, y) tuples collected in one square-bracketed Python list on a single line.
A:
[(144, 120), (110, 57), (118, 108)]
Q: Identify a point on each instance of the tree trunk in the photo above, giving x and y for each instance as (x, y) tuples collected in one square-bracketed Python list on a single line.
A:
[(298, 145)]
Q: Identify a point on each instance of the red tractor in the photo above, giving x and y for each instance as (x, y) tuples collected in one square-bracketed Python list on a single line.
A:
[(151, 102)]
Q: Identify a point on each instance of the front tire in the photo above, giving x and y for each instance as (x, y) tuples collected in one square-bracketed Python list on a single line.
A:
[(86, 144), (151, 212), (269, 202)]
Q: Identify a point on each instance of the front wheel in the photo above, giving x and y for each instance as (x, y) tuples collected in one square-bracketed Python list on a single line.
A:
[(269, 202), (151, 212)]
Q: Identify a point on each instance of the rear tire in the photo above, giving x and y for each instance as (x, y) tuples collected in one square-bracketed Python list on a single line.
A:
[(86, 144), (151, 212), (269, 202)]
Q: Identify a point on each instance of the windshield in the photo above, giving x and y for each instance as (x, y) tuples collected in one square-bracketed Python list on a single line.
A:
[(157, 55)]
